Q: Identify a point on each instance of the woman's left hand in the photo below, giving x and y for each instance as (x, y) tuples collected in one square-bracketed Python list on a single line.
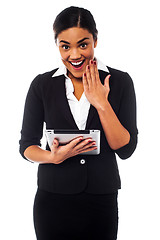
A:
[(95, 91)]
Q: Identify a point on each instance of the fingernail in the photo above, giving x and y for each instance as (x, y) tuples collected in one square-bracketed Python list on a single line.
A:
[(85, 74), (94, 62), (91, 61), (88, 67)]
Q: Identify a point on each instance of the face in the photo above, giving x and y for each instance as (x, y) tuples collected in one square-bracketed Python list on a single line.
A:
[(76, 46)]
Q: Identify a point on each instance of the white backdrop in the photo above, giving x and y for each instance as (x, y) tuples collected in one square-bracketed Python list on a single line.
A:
[(128, 40)]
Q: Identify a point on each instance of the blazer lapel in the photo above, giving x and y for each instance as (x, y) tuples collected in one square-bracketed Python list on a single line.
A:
[(103, 75), (62, 102), (92, 109)]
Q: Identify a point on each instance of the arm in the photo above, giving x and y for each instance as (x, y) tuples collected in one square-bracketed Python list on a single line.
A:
[(118, 129), (32, 131), (127, 116), (33, 118), (117, 136), (35, 153), (58, 154)]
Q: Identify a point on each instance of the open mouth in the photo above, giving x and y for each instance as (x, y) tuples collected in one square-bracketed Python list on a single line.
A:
[(77, 65)]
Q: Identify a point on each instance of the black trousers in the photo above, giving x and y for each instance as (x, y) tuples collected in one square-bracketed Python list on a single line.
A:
[(80, 216)]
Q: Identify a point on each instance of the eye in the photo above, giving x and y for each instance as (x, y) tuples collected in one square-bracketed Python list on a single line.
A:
[(65, 47), (83, 45)]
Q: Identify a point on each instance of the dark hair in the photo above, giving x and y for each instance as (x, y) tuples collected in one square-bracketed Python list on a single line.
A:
[(75, 17)]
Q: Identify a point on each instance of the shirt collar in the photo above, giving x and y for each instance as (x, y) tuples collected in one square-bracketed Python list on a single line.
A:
[(101, 66), (63, 71)]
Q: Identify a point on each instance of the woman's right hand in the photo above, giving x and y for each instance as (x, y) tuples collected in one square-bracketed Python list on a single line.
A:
[(76, 146)]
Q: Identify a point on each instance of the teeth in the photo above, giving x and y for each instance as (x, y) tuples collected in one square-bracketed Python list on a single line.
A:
[(76, 63)]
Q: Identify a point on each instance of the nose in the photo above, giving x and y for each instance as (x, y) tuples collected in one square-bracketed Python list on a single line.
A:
[(75, 54)]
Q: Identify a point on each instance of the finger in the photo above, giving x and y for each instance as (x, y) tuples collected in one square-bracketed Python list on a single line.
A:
[(84, 143), (85, 82), (88, 76), (92, 72), (96, 70), (55, 144), (87, 149), (89, 145), (106, 82), (74, 142)]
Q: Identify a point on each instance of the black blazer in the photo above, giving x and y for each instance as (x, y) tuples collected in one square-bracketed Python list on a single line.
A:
[(46, 102)]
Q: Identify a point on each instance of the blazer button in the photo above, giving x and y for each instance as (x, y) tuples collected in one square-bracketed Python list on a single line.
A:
[(82, 161)]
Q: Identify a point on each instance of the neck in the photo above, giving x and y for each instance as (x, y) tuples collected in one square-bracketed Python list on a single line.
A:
[(74, 79)]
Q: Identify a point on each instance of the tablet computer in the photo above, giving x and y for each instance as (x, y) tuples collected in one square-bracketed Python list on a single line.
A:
[(66, 135)]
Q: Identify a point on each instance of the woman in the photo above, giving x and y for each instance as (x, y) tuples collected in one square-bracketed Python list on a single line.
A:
[(77, 194)]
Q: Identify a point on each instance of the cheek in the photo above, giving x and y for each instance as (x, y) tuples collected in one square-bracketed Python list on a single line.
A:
[(64, 55), (89, 53)]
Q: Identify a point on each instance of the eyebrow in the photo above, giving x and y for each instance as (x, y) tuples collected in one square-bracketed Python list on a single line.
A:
[(77, 42), (82, 40)]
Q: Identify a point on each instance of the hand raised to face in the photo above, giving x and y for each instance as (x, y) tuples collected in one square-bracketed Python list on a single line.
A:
[(95, 91)]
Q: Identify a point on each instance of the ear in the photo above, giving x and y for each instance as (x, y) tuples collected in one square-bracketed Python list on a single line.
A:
[(56, 42), (95, 43)]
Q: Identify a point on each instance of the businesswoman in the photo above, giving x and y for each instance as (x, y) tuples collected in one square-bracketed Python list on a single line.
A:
[(77, 194)]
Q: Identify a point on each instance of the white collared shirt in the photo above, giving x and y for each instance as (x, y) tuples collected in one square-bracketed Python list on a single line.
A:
[(79, 108)]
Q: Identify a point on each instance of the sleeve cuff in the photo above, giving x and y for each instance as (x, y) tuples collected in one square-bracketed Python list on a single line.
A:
[(127, 150)]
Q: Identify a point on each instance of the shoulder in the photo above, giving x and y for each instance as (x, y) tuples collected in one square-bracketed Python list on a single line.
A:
[(42, 77), (120, 77), (41, 82)]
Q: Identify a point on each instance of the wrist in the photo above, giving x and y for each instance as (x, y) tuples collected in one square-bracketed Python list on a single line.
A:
[(103, 106), (49, 157), (35, 153)]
